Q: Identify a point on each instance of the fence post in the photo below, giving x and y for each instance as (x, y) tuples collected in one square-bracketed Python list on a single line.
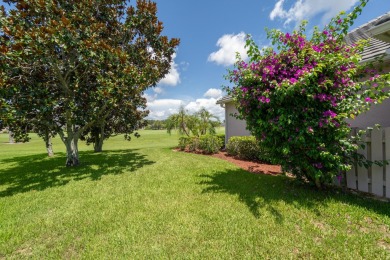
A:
[(350, 176), (361, 170), (387, 157), (377, 155)]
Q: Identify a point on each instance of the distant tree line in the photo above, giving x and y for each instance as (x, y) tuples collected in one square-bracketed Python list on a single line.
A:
[(152, 124)]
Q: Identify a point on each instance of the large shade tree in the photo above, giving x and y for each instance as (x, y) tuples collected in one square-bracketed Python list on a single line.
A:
[(77, 68)]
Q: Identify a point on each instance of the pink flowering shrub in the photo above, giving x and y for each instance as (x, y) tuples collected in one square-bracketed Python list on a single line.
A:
[(296, 100)]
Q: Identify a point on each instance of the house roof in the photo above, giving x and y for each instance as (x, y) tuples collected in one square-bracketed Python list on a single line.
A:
[(377, 31), (372, 31), (224, 100)]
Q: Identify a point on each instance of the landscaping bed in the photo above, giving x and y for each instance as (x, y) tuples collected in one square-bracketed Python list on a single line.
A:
[(251, 166)]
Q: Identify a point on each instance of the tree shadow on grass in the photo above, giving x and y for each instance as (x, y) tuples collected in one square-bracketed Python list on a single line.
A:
[(259, 192), (39, 172)]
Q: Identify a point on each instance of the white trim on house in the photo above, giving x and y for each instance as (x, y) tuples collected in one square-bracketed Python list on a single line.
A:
[(233, 126), (381, 31)]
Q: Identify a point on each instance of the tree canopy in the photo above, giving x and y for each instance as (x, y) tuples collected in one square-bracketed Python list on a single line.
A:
[(79, 68)]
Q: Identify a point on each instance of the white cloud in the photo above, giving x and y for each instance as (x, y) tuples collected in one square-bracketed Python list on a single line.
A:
[(229, 45), (278, 11), (150, 98), (158, 90), (213, 93), (306, 9), (209, 104), (173, 77), (163, 108)]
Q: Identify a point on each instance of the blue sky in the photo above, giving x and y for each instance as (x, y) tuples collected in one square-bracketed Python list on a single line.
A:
[(212, 31), (219, 26)]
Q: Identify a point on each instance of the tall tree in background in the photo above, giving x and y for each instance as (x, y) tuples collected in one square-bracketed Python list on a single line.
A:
[(206, 122), (181, 121), (81, 67), (200, 123)]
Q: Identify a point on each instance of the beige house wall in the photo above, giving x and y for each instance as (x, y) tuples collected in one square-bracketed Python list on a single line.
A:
[(378, 113), (234, 126)]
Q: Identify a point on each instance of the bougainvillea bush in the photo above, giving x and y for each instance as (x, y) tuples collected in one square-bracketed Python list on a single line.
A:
[(296, 100)]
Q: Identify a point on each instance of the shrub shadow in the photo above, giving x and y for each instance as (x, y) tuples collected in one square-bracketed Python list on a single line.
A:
[(260, 191), (39, 172)]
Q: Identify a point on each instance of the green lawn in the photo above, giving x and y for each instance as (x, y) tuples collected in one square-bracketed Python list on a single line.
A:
[(142, 200)]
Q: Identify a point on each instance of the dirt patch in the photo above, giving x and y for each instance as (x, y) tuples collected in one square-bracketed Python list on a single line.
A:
[(251, 166)]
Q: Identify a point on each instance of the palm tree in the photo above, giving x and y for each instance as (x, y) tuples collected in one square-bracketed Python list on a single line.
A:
[(206, 123), (179, 121), (198, 124)]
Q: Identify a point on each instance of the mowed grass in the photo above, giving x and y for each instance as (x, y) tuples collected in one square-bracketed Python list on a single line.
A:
[(142, 200)]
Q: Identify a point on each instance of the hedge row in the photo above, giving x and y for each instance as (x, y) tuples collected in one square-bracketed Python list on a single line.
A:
[(208, 144), (243, 147), (246, 148)]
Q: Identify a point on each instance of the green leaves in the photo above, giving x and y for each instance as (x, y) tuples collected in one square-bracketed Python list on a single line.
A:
[(92, 60), (197, 124), (296, 101)]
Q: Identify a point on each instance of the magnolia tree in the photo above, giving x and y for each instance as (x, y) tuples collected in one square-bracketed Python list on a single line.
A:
[(79, 68), (296, 100)]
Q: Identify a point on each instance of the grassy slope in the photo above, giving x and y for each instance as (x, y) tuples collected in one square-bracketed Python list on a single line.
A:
[(143, 200)]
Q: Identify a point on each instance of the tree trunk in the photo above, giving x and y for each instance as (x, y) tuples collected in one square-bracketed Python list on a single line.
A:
[(98, 147), (72, 151), (99, 138), (11, 137), (49, 144)]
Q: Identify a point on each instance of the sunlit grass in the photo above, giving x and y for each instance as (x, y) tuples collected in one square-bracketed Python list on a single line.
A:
[(142, 199)]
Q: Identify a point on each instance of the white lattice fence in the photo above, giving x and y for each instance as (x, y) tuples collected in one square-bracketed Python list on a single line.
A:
[(375, 179)]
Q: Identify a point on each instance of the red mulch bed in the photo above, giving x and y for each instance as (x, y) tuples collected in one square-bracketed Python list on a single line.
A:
[(251, 166)]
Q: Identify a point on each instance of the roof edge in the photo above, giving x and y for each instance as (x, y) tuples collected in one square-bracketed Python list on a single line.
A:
[(224, 100)]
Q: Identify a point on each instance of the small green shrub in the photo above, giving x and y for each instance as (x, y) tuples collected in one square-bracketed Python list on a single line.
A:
[(221, 137), (193, 144), (210, 144), (183, 142), (232, 145), (206, 143), (246, 148)]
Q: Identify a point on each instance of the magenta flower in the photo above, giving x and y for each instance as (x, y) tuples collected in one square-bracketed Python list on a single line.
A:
[(369, 100), (329, 113), (293, 80), (316, 48), (263, 99)]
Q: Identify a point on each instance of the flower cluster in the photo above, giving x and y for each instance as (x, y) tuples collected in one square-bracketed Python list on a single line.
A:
[(297, 99)]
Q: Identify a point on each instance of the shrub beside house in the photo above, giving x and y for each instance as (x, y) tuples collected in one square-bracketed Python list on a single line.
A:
[(375, 179), (377, 32)]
